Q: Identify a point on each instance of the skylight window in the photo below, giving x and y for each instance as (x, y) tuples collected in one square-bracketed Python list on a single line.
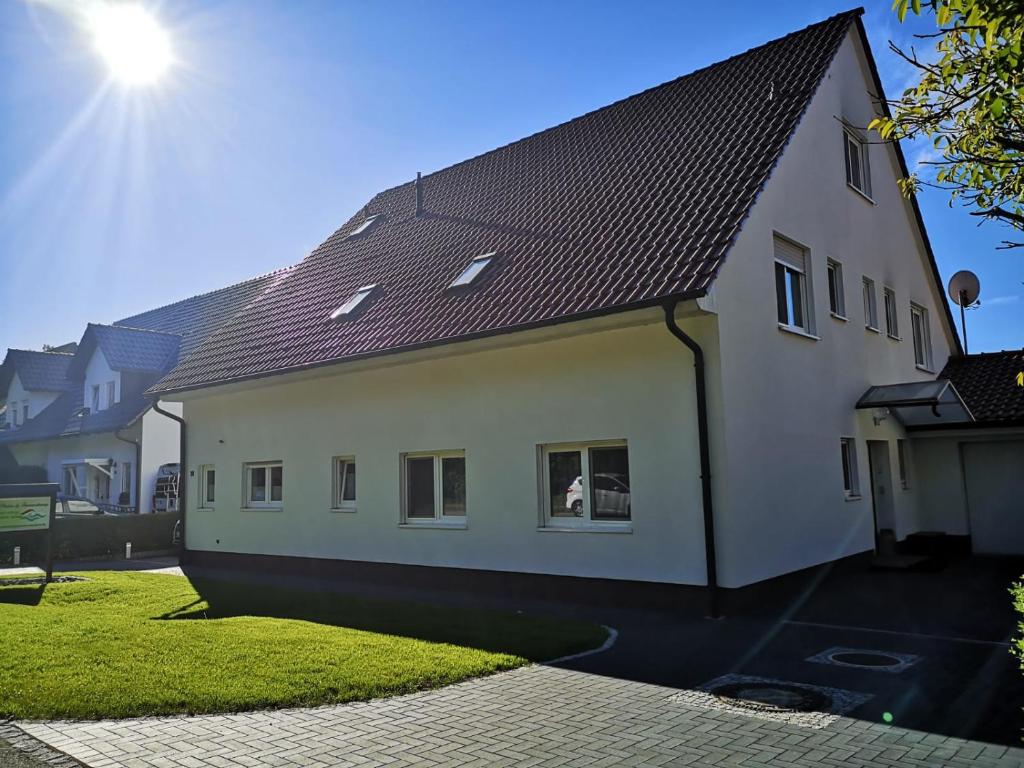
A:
[(366, 226), (353, 303), (473, 270)]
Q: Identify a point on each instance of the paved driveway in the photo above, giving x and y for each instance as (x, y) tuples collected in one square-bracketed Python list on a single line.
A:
[(955, 702), (536, 716)]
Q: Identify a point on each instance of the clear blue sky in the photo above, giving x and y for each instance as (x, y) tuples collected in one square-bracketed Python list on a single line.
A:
[(285, 117)]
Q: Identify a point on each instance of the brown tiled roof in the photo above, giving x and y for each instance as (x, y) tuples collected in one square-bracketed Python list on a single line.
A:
[(987, 382), (624, 207)]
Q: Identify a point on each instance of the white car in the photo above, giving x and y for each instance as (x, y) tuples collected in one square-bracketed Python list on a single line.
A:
[(611, 496)]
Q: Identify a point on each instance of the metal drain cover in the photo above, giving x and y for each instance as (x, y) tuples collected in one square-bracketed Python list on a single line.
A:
[(772, 696), (863, 658)]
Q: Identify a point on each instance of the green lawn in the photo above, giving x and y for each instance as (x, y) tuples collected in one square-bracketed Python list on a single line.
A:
[(128, 644)]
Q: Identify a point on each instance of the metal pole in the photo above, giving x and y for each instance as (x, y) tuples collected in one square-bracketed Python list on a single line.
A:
[(963, 320)]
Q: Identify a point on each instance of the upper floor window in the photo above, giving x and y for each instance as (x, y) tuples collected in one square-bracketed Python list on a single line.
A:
[(434, 488), (791, 294), (836, 294), (111, 394), (870, 305), (365, 226), (95, 398), (858, 173), (473, 270), (264, 485), (922, 336), (892, 327), (586, 484), (353, 302), (344, 484), (24, 412)]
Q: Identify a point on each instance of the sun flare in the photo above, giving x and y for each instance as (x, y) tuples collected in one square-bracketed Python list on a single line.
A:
[(136, 49)]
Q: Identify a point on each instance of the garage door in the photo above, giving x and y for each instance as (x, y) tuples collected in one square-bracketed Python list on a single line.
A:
[(995, 495)]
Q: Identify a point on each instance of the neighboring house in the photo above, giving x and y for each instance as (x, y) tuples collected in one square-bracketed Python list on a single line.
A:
[(501, 339), (95, 431), (30, 381)]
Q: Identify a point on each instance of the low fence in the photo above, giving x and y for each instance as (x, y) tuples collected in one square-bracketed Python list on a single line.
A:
[(93, 536)]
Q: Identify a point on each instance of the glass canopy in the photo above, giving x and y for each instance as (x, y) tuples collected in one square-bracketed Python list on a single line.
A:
[(919, 403)]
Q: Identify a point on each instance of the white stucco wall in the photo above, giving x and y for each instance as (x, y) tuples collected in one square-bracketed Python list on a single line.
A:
[(497, 405), (17, 395), (52, 454), (161, 444), (789, 398), (98, 372)]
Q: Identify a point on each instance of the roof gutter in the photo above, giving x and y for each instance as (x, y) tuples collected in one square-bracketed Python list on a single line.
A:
[(137, 481), (700, 375), (182, 474)]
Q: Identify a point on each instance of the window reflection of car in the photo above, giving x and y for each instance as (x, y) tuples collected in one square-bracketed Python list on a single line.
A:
[(71, 506), (611, 495)]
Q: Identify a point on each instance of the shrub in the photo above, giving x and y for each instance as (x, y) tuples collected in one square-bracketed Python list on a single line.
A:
[(92, 536)]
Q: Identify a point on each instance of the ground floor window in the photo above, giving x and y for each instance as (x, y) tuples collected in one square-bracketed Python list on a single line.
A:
[(848, 453), (586, 483), (344, 497), (126, 483), (207, 486), (264, 485), (434, 487)]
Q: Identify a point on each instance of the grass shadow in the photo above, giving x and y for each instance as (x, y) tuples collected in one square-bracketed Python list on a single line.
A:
[(536, 638), (30, 594)]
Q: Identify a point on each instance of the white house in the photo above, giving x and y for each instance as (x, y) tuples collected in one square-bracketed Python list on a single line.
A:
[(84, 415), (503, 352)]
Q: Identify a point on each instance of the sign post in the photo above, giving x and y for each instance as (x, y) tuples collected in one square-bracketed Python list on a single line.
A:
[(30, 507)]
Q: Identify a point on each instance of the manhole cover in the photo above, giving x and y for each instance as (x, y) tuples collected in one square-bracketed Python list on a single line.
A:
[(863, 659), (774, 697)]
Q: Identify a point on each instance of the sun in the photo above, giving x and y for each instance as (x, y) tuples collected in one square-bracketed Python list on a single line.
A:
[(136, 49)]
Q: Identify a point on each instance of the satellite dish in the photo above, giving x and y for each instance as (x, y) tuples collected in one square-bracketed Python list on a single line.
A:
[(964, 288)]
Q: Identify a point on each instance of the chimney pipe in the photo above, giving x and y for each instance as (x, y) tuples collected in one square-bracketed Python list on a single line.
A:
[(419, 195)]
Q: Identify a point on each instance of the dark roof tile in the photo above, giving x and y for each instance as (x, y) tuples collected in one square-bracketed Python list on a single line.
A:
[(987, 382), (628, 205), (37, 371)]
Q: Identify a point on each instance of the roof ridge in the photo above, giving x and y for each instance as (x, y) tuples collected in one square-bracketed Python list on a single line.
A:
[(133, 328), (41, 351), (264, 276), (852, 13)]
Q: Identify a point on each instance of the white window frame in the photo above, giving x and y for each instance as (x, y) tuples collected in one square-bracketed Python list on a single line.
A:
[(338, 502), (922, 338), (902, 464), (353, 302), (892, 321), (473, 270), (863, 163), (439, 519), (111, 394), (205, 502), (870, 293), (848, 451), (587, 521), (834, 279), (248, 502), (803, 278)]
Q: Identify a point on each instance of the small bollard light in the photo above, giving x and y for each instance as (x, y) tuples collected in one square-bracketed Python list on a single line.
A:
[(17, 555), (127, 550)]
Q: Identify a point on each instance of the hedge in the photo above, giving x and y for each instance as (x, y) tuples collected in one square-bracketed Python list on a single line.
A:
[(92, 536)]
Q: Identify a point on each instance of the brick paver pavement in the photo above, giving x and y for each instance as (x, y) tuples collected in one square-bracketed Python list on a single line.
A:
[(534, 716)]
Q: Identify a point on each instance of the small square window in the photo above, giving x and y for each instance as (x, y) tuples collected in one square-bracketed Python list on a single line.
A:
[(585, 484), (264, 485), (434, 488), (891, 321), (848, 454), (858, 172), (353, 303), (344, 484), (473, 270), (836, 294), (870, 305), (207, 486)]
